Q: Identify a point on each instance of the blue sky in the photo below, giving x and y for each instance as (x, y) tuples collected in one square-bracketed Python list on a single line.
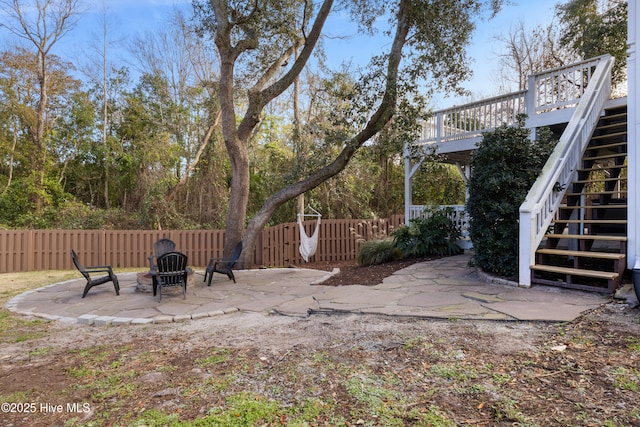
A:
[(484, 48), (127, 18)]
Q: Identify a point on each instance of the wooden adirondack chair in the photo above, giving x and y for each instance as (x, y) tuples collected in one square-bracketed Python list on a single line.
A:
[(223, 265), (172, 271), (161, 247), (95, 281)]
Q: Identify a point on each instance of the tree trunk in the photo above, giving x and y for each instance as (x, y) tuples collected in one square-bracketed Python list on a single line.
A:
[(40, 152), (12, 154), (105, 115), (238, 157), (378, 120), (236, 136), (195, 161)]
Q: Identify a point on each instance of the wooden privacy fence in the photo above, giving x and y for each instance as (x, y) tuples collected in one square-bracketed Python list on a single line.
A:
[(277, 246)]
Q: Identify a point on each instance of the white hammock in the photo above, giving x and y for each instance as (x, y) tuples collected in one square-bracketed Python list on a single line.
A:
[(308, 245)]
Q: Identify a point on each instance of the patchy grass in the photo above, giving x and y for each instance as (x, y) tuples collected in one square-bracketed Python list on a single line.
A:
[(14, 329), (434, 374), (12, 284), (356, 370)]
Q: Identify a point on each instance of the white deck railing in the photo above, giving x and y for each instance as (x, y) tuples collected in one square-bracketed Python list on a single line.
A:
[(562, 87), (555, 89), (470, 120), (542, 201)]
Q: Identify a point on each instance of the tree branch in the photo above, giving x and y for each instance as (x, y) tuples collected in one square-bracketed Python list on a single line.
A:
[(258, 99), (195, 161), (378, 120), (276, 66)]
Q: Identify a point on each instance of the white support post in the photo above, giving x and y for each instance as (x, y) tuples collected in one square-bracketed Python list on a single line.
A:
[(525, 252), (465, 172), (530, 106), (408, 189), (633, 130)]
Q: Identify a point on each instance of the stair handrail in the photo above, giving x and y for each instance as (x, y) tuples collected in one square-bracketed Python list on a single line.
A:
[(543, 199)]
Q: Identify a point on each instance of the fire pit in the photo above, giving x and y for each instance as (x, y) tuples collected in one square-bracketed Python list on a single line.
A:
[(145, 282)]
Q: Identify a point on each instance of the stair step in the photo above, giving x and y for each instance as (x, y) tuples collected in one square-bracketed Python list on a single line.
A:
[(601, 168), (597, 193), (594, 207), (623, 113), (604, 156), (608, 135), (611, 126), (583, 254), (586, 181), (606, 275), (586, 237), (607, 146), (591, 221)]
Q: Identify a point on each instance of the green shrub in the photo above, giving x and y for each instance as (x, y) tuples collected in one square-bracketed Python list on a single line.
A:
[(377, 252), (504, 167), (434, 234)]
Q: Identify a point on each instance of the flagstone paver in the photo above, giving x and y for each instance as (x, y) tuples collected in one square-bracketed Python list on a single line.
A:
[(445, 288)]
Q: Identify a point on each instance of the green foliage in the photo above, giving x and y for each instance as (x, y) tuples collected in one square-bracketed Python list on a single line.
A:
[(14, 202), (591, 29), (378, 251), (17, 207), (438, 183), (433, 234), (158, 213), (504, 166)]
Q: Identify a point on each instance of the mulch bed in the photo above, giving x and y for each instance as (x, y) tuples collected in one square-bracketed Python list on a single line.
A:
[(353, 274)]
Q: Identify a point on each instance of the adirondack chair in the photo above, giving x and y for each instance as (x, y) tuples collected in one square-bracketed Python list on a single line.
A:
[(161, 247), (95, 281), (171, 271), (223, 265)]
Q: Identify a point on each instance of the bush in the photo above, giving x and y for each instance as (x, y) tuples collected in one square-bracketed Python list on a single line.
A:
[(504, 166), (377, 252), (434, 234)]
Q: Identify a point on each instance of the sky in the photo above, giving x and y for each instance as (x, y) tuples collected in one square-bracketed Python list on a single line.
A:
[(128, 18)]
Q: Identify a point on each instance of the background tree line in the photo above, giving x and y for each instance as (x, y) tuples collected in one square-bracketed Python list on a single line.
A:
[(147, 152)]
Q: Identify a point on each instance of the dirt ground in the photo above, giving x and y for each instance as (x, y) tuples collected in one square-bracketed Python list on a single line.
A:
[(343, 370)]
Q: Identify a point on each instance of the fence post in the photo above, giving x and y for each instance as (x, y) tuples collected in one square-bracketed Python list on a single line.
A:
[(30, 250)]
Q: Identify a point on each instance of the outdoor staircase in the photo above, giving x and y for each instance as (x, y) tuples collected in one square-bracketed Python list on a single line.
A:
[(586, 245)]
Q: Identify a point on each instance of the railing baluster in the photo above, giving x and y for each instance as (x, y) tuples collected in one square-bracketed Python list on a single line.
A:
[(553, 89)]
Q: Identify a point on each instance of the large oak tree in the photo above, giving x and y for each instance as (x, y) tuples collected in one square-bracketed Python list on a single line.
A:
[(264, 45)]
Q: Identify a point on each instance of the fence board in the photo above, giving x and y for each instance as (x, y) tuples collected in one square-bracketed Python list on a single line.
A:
[(277, 246), (15, 252)]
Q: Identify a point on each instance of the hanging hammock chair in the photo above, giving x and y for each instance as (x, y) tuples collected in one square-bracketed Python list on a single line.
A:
[(308, 244)]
